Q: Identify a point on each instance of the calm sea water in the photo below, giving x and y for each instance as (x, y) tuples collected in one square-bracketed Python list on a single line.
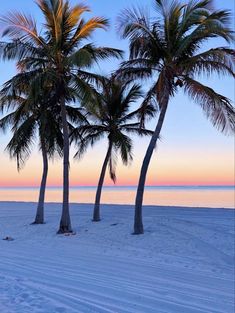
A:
[(217, 197)]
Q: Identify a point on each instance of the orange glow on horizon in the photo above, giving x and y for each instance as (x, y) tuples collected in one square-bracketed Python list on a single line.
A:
[(169, 168), (121, 183)]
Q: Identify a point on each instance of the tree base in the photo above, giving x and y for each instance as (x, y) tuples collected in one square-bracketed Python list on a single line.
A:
[(37, 223), (138, 230), (96, 220), (64, 230), (139, 233)]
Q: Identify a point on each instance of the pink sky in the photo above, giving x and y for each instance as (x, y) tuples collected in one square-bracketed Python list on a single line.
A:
[(168, 167)]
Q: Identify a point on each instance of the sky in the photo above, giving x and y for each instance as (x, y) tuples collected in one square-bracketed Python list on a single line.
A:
[(191, 151)]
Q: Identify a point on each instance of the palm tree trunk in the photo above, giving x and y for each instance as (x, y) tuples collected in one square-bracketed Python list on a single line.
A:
[(65, 223), (138, 223), (96, 212), (39, 219)]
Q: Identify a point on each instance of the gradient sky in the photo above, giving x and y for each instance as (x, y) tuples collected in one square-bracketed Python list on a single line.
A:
[(191, 151)]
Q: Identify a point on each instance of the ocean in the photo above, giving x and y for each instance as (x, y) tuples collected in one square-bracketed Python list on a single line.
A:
[(192, 196)]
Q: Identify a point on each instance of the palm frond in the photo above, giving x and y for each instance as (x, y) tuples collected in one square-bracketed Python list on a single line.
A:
[(89, 54), (76, 115), (129, 72), (135, 25), (138, 131), (134, 93), (220, 60), (7, 121), (83, 142), (218, 109), (213, 24), (21, 143), (85, 29), (19, 50), (123, 143), (84, 89), (21, 27), (113, 164)]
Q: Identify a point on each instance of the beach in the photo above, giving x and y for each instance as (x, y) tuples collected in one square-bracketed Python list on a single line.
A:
[(117, 190), (183, 263)]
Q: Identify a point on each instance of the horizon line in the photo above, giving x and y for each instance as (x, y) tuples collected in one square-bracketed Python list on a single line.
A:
[(113, 186)]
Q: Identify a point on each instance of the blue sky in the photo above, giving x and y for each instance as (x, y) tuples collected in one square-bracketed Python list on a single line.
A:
[(189, 141)]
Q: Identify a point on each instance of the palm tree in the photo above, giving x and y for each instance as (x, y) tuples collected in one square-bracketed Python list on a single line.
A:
[(168, 49), (30, 116), (109, 111), (58, 55)]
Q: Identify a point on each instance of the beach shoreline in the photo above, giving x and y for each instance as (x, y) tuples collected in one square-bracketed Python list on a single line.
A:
[(126, 206)]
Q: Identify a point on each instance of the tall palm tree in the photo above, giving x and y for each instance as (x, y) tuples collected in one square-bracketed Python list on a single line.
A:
[(31, 118), (57, 54), (169, 50), (109, 111)]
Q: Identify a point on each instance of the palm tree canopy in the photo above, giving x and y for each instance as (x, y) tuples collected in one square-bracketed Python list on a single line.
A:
[(30, 116), (57, 56), (59, 52), (109, 111), (169, 47)]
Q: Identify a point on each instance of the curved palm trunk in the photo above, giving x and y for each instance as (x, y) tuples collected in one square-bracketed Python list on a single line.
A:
[(96, 212), (138, 223), (65, 223), (39, 219)]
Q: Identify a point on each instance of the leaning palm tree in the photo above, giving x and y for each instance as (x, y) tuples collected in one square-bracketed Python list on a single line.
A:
[(111, 117), (60, 55), (169, 50), (29, 119)]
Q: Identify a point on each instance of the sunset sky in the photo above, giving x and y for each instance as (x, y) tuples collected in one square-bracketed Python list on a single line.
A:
[(191, 151)]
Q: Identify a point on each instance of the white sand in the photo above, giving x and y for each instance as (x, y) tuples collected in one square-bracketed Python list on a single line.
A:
[(182, 264)]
